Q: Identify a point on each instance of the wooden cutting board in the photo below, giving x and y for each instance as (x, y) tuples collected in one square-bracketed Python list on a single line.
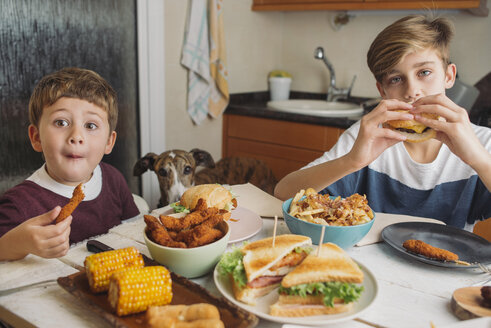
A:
[(467, 303)]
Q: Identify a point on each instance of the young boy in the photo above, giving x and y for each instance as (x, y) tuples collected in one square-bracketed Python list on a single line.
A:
[(446, 178), (73, 115)]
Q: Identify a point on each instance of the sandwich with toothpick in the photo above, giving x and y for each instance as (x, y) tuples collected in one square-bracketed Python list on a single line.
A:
[(326, 282), (256, 268)]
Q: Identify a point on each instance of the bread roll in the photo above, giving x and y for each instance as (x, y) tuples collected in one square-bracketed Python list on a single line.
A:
[(215, 195)]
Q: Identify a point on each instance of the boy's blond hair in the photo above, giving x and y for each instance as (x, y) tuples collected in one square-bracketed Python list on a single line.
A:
[(408, 34), (77, 83)]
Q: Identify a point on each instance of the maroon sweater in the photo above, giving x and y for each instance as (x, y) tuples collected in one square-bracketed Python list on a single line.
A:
[(90, 218)]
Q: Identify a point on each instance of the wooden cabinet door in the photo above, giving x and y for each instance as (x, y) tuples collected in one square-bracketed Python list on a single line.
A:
[(285, 146), (293, 5)]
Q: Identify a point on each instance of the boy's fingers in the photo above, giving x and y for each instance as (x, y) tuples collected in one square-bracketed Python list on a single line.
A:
[(391, 105), (56, 251), (56, 245), (58, 240), (391, 134), (438, 99), (48, 217), (387, 110), (65, 223), (392, 115), (434, 124), (440, 105)]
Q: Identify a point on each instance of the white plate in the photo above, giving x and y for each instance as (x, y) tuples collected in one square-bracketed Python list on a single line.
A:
[(261, 309), (243, 222)]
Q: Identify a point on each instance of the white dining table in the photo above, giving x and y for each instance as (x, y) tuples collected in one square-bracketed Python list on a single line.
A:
[(410, 293)]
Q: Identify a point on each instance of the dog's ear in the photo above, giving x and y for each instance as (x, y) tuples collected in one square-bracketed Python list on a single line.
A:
[(202, 158), (143, 164)]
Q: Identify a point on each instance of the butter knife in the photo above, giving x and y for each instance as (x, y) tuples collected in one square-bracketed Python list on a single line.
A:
[(95, 246), (18, 289)]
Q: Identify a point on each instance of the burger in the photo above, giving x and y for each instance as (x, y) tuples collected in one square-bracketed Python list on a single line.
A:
[(414, 131), (214, 195)]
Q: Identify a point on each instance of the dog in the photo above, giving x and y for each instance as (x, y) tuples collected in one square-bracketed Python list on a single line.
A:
[(177, 171)]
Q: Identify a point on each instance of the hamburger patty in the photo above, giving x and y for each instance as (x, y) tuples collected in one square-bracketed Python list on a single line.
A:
[(410, 130)]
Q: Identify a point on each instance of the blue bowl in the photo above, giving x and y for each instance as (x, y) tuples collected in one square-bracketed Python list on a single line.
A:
[(343, 236)]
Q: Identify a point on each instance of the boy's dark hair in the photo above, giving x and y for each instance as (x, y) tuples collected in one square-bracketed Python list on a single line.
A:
[(73, 82), (409, 34)]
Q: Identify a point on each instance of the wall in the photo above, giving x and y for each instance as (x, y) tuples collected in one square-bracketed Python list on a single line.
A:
[(258, 42), (38, 37)]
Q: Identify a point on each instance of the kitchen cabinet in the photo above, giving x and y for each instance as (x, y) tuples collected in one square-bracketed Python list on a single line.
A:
[(285, 146), (292, 5)]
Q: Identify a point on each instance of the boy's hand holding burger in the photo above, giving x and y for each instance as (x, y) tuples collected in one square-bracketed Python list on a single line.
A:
[(454, 130), (372, 139)]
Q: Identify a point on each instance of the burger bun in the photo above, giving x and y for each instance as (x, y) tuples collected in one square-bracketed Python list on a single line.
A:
[(416, 136), (215, 195)]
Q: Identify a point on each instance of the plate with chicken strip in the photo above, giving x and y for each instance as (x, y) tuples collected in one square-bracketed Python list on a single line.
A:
[(438, 244), (243, 222)]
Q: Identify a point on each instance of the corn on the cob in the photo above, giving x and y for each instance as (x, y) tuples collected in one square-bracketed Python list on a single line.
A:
[(99, 267), (134, 290)]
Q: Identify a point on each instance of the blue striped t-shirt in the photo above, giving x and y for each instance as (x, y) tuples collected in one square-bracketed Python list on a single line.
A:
[(446, 189)]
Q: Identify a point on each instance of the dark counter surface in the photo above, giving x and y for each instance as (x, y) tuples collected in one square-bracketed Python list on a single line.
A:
[(254, 104)]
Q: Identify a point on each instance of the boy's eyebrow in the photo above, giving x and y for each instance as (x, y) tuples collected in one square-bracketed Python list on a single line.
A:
[(424, 63), (395, 71), (63, 109)]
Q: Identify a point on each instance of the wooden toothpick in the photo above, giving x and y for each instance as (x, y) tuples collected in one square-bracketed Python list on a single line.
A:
[(274, 228), (321, 240)]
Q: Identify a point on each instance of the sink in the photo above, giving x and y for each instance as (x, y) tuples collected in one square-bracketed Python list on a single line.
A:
[(316, 107)]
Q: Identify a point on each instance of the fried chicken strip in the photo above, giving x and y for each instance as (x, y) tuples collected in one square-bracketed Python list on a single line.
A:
[(203, 236), (192, 219), (203, 233), (189, 221), (159, 234), (420, 247), (77, 197), (201, 205)]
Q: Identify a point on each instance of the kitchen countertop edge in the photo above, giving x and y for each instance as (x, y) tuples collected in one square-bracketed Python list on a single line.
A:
[(255, 104)]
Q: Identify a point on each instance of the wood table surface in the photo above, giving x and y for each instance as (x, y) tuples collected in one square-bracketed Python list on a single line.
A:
[(411, 293)]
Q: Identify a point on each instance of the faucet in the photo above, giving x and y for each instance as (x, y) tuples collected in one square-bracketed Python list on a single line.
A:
[(333, 93)]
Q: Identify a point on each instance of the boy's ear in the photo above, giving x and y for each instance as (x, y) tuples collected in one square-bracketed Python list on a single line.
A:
[(110, 142), (35, 138), (450, 75), (380, 90)]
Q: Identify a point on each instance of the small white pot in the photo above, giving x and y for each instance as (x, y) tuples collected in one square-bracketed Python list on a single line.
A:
[(279, 88)]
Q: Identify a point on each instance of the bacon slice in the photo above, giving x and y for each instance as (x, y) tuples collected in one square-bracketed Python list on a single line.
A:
[(264, 281)]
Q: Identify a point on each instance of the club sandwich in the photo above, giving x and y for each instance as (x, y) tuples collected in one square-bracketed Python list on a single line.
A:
[(327, 283), (257, 268)]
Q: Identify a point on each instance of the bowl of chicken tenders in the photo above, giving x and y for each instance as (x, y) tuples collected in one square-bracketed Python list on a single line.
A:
[(345, 220), (189, 244)]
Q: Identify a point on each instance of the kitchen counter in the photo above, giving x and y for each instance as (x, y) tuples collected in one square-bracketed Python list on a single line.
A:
[(255, 104), (284, 141)]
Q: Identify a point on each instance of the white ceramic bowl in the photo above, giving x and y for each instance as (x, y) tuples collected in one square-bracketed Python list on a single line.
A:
[(190, 262)]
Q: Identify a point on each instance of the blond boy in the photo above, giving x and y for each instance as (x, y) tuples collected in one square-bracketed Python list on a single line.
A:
[(447, 177)]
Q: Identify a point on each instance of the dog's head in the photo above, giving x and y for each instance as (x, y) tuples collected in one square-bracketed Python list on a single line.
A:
[(175, 170)]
